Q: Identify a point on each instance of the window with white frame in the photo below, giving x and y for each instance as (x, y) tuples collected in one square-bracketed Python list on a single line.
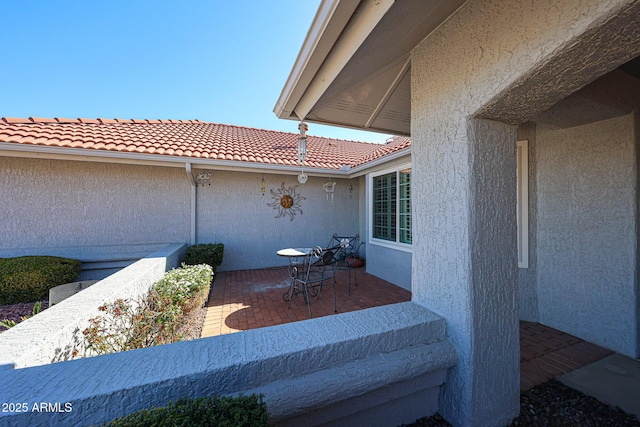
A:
[(522, 209), (391, 206)]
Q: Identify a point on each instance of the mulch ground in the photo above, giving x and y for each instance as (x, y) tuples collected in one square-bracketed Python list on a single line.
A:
[(15, 312), (554, 404)]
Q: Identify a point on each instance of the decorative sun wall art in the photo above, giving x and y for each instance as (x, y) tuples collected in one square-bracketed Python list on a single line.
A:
[(286, 201)]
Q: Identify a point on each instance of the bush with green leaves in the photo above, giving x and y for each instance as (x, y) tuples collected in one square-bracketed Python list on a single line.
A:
[(240, 411), (185, 285), (205, 253), (162, 316), (29, 278)]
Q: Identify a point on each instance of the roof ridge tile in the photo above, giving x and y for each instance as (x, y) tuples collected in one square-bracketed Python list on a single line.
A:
[(41, 120), (15, 120)]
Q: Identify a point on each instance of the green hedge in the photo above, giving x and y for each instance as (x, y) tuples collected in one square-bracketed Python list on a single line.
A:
[(181, 284), (29, 278), (241, 411), (205, 253)]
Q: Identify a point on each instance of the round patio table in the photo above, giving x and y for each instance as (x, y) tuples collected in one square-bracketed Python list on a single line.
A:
[(293, 254)]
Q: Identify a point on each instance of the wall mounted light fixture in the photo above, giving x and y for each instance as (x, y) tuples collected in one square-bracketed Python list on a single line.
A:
[(329, 187), (203, 178)]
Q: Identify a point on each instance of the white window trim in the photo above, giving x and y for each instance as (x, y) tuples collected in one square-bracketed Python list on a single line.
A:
[(522, 209), (405, 247)]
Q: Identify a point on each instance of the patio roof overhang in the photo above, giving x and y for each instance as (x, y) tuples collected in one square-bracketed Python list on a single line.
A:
[(353, 69)]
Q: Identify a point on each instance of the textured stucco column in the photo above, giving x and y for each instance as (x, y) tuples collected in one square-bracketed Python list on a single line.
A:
[(492, 60), (465, 262)]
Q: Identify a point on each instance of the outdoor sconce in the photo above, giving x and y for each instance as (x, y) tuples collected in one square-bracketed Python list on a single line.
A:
[(203, 178)]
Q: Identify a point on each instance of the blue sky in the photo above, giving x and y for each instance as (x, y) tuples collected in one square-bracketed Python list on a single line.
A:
[(214, 60)]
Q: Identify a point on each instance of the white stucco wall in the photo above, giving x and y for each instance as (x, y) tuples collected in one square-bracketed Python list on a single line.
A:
[(233, 211), (385, 259), (53, 334), (587, 233), (89, 210), (505, 62), (96, 211), (376, 367), (527, 277), (392, 265)]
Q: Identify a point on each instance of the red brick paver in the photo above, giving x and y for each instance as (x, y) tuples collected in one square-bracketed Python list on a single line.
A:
[(546, 353), (250, 299)]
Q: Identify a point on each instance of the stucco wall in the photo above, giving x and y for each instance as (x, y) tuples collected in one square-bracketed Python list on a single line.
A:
[(392, 265), (72, 208), (379, 366), (102, 211), (495, 61), (387, 262), (587, 231), (527, 277), (233, 211)]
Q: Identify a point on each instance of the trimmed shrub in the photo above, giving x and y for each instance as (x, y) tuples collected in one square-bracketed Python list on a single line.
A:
[(240, 411), (29, 278), (162, 316), (205, 253), (182, 285)]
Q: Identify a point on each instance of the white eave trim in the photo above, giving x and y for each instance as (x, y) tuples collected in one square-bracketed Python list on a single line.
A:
[(317, 44), (8, 149), (298, 96)]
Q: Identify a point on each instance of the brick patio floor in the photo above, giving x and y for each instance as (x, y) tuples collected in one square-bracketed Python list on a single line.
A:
[(250, 299)]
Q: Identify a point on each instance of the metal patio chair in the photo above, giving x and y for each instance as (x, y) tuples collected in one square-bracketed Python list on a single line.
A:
[(316, 269), (346, 254)]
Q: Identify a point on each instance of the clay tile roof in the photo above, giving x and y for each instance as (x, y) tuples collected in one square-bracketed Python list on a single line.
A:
[(193, 139), (62, 120), (15, 120), (41, 120)]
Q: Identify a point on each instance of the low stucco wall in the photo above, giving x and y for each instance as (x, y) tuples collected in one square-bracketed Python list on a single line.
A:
[(50, 335), (380, 366)]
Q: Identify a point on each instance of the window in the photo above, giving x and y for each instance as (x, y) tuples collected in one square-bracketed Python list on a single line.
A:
[(391, 206), (522, 209)]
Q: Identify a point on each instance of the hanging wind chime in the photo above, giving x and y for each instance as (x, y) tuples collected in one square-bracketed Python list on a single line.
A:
[(302, 150)]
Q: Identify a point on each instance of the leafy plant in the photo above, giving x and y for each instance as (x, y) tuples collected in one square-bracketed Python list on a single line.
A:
[(205, 253), (240, 411), (29, 278), (159, 317)]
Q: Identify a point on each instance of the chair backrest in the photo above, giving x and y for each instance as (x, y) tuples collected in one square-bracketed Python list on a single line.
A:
[(319, 260), (347, 244), (327, 257)]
